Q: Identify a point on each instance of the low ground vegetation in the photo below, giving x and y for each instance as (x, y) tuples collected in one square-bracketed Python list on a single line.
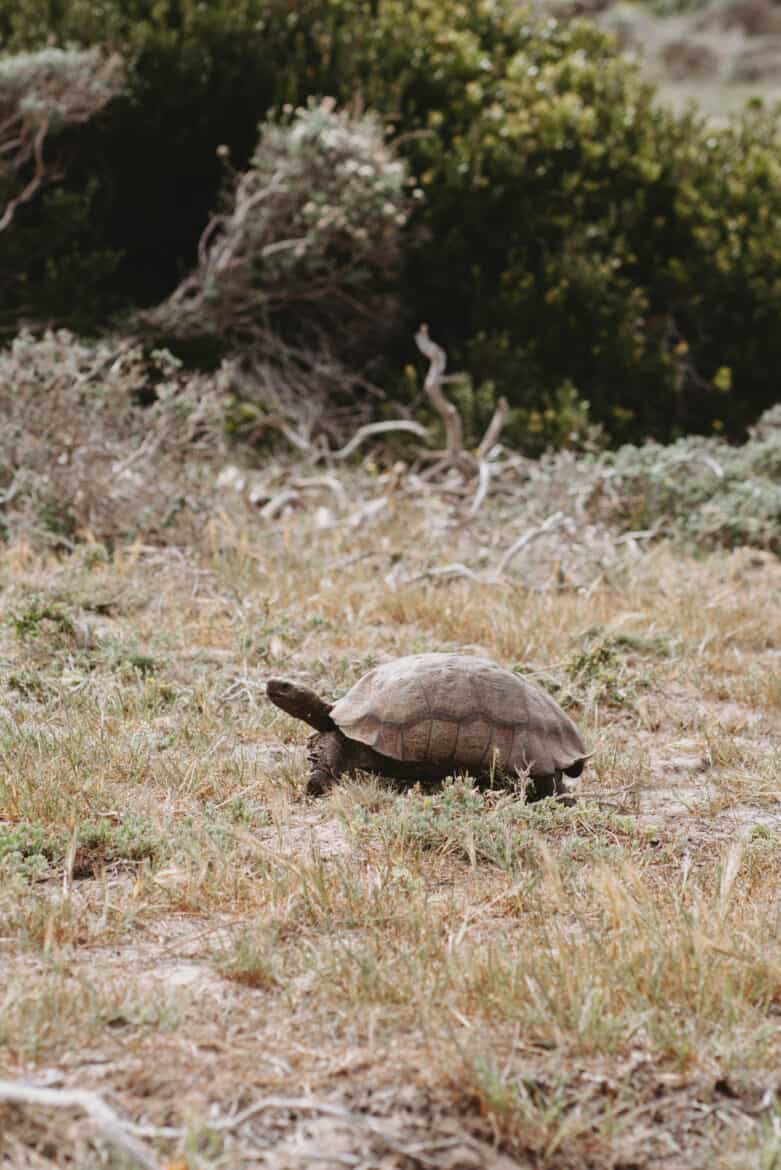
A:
[(442, 977), (200, 967), (103, 440), (131, 445)]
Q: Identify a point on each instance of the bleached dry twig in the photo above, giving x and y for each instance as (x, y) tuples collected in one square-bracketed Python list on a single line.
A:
[(277, 503), (494, 429), (36, 182), (531, 534), (325, 481), (103, 1117), (455, 457), (484, 472), (703, 457), (378, 428), (454, 427), (277, 423), (449, 571)]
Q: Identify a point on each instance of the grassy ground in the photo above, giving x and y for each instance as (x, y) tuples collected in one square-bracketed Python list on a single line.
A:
[(445, 979)]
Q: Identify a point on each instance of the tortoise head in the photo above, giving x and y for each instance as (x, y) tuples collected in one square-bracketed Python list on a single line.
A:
[(301, 703)]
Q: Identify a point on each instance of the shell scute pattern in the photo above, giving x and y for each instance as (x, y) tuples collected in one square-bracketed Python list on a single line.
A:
[(450, 709)]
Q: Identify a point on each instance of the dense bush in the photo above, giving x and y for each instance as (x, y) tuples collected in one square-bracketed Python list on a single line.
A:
[(700, 492), (595, 240), (296, 277), (308, 244), (144, 178), (703, 492), (106, 441), (578, 244), (44, 94), (102, 440)]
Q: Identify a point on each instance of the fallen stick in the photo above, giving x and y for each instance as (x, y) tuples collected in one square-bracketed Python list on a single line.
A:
[(493, 430), (277, 423), (378, 428), (103, 1117), (277, 503), (454, 570), (553, 521), (324, 481), (484, 471)]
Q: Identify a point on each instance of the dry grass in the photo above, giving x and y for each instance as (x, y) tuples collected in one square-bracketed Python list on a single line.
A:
[(444, 978)]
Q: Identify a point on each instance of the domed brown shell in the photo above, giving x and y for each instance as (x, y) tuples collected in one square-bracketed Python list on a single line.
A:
[(456, 710)]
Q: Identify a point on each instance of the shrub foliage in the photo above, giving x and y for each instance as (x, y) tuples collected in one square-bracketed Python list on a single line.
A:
[(107, 442), (576, 243), (44, 94), (309, 243)]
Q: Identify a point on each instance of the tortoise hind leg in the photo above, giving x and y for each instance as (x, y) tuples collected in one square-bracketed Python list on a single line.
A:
[(329, 757)]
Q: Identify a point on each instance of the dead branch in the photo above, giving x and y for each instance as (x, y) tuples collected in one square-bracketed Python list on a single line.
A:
[(451, 419), (103, 1117), (325, 481), (531, 534), (277, 423), (431, 473), (384, 1129), (484, 472), (36, 182), (298, 392), (215, 222), (640, 534), (367, 511), (378, 428), (444, 571), (703, 457), (277, 503), (455, 456), (493, 430)]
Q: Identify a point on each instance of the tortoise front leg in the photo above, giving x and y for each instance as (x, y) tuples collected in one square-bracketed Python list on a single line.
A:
[(329, 757), (543, 787)]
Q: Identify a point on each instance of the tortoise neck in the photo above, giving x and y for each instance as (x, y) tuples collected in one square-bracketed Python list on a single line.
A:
[(315, 711), (302, 703)]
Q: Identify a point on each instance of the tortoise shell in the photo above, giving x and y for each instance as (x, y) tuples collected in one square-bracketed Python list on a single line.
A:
[(456, 710)]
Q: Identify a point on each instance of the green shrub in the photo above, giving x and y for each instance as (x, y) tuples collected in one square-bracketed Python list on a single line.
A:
[(146, 173), (490, 828), (32, 851), (574, 238), (44, 96), (579, 233), (699, 491), (296, 277)]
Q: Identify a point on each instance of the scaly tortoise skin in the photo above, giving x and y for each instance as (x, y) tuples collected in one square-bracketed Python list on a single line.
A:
[(428, 715)]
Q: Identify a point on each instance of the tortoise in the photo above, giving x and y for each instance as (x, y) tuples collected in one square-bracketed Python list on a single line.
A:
[(425, 716)]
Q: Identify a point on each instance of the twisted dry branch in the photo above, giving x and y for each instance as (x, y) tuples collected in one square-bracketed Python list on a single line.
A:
[(455, 456)]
